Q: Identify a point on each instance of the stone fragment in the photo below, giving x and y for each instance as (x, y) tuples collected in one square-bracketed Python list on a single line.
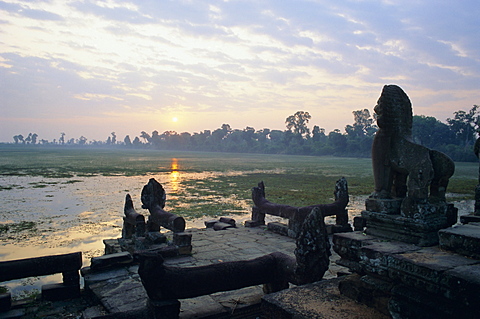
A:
[(210, 223), (182, 239), (222, 226), (155, 238), (359, 223), (279, 228), (254, 223), (228, 220), (112, 246), (466, 219), (111, 260)]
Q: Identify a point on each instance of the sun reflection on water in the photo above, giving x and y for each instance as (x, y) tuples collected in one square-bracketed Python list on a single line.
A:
[(174, 175)]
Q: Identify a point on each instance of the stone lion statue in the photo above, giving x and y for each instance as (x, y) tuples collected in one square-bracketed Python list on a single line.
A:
[(402, 168)]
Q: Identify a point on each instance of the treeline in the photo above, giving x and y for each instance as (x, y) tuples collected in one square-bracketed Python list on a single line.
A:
[(455, 138)]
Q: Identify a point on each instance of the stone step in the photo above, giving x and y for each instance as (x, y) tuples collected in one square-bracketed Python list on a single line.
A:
[(462, 239)]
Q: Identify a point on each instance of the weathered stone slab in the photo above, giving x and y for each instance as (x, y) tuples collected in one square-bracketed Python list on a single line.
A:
[(111, 260), (386, 206), (423, 269), (254, 223), (155, 238), (409, 230), (201, 307), (318, 300), (347, 245), (371, 291), (121, 295), (464, 284), (210, 223), (92, 277), (463, 239), (182, 239), (278, 228), (466, 219), (222, 226), (227, 220), (375, 256), (112, 246), (408, 302)]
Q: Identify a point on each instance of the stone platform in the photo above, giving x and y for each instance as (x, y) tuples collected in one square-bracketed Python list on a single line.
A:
[(121, 293), (318, 300), (409, 281)]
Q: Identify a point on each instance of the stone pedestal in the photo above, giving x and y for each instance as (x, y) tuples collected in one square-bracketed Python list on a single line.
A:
[(420, 227)]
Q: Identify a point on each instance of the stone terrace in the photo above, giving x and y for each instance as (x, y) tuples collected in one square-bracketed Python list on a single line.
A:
[(120, 291)]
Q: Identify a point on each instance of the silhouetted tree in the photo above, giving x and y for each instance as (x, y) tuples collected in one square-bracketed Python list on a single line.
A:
[(82, 140), (127, 141), (136, 141), (465, 125), (146, 137), (297, 123)]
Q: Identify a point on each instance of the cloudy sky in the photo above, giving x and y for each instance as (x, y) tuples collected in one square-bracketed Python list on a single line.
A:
[(95, 67)]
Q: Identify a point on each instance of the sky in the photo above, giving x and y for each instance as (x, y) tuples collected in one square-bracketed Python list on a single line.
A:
[(89, 68)]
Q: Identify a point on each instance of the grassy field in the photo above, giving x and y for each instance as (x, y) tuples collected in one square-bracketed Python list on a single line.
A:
[(296, 180)]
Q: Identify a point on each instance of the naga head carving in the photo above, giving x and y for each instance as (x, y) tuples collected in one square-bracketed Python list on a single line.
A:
[(394, 111)]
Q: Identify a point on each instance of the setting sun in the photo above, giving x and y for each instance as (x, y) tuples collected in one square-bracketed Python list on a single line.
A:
[(174, 119)]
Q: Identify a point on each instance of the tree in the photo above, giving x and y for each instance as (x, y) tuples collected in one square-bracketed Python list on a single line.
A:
[(430, 132), (127, 141), (82, 140), (114, 138), (465, 125), (297, 123), (146, 137), (318, 134), (136, 141), (62, 138)]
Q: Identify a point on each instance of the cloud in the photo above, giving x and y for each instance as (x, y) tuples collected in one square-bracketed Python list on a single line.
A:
[(26, 11), (230, 59)]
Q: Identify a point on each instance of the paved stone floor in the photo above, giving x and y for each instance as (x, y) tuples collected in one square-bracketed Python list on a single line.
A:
[(118, 292)]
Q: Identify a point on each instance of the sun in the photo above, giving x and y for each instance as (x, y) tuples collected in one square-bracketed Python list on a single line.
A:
[(174, 119)]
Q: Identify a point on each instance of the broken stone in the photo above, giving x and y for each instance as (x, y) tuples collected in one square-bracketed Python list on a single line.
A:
[(210, 223), (222, 226), (279, 228), (182, 239), (111, 260), (228, 220), (155, 238)]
